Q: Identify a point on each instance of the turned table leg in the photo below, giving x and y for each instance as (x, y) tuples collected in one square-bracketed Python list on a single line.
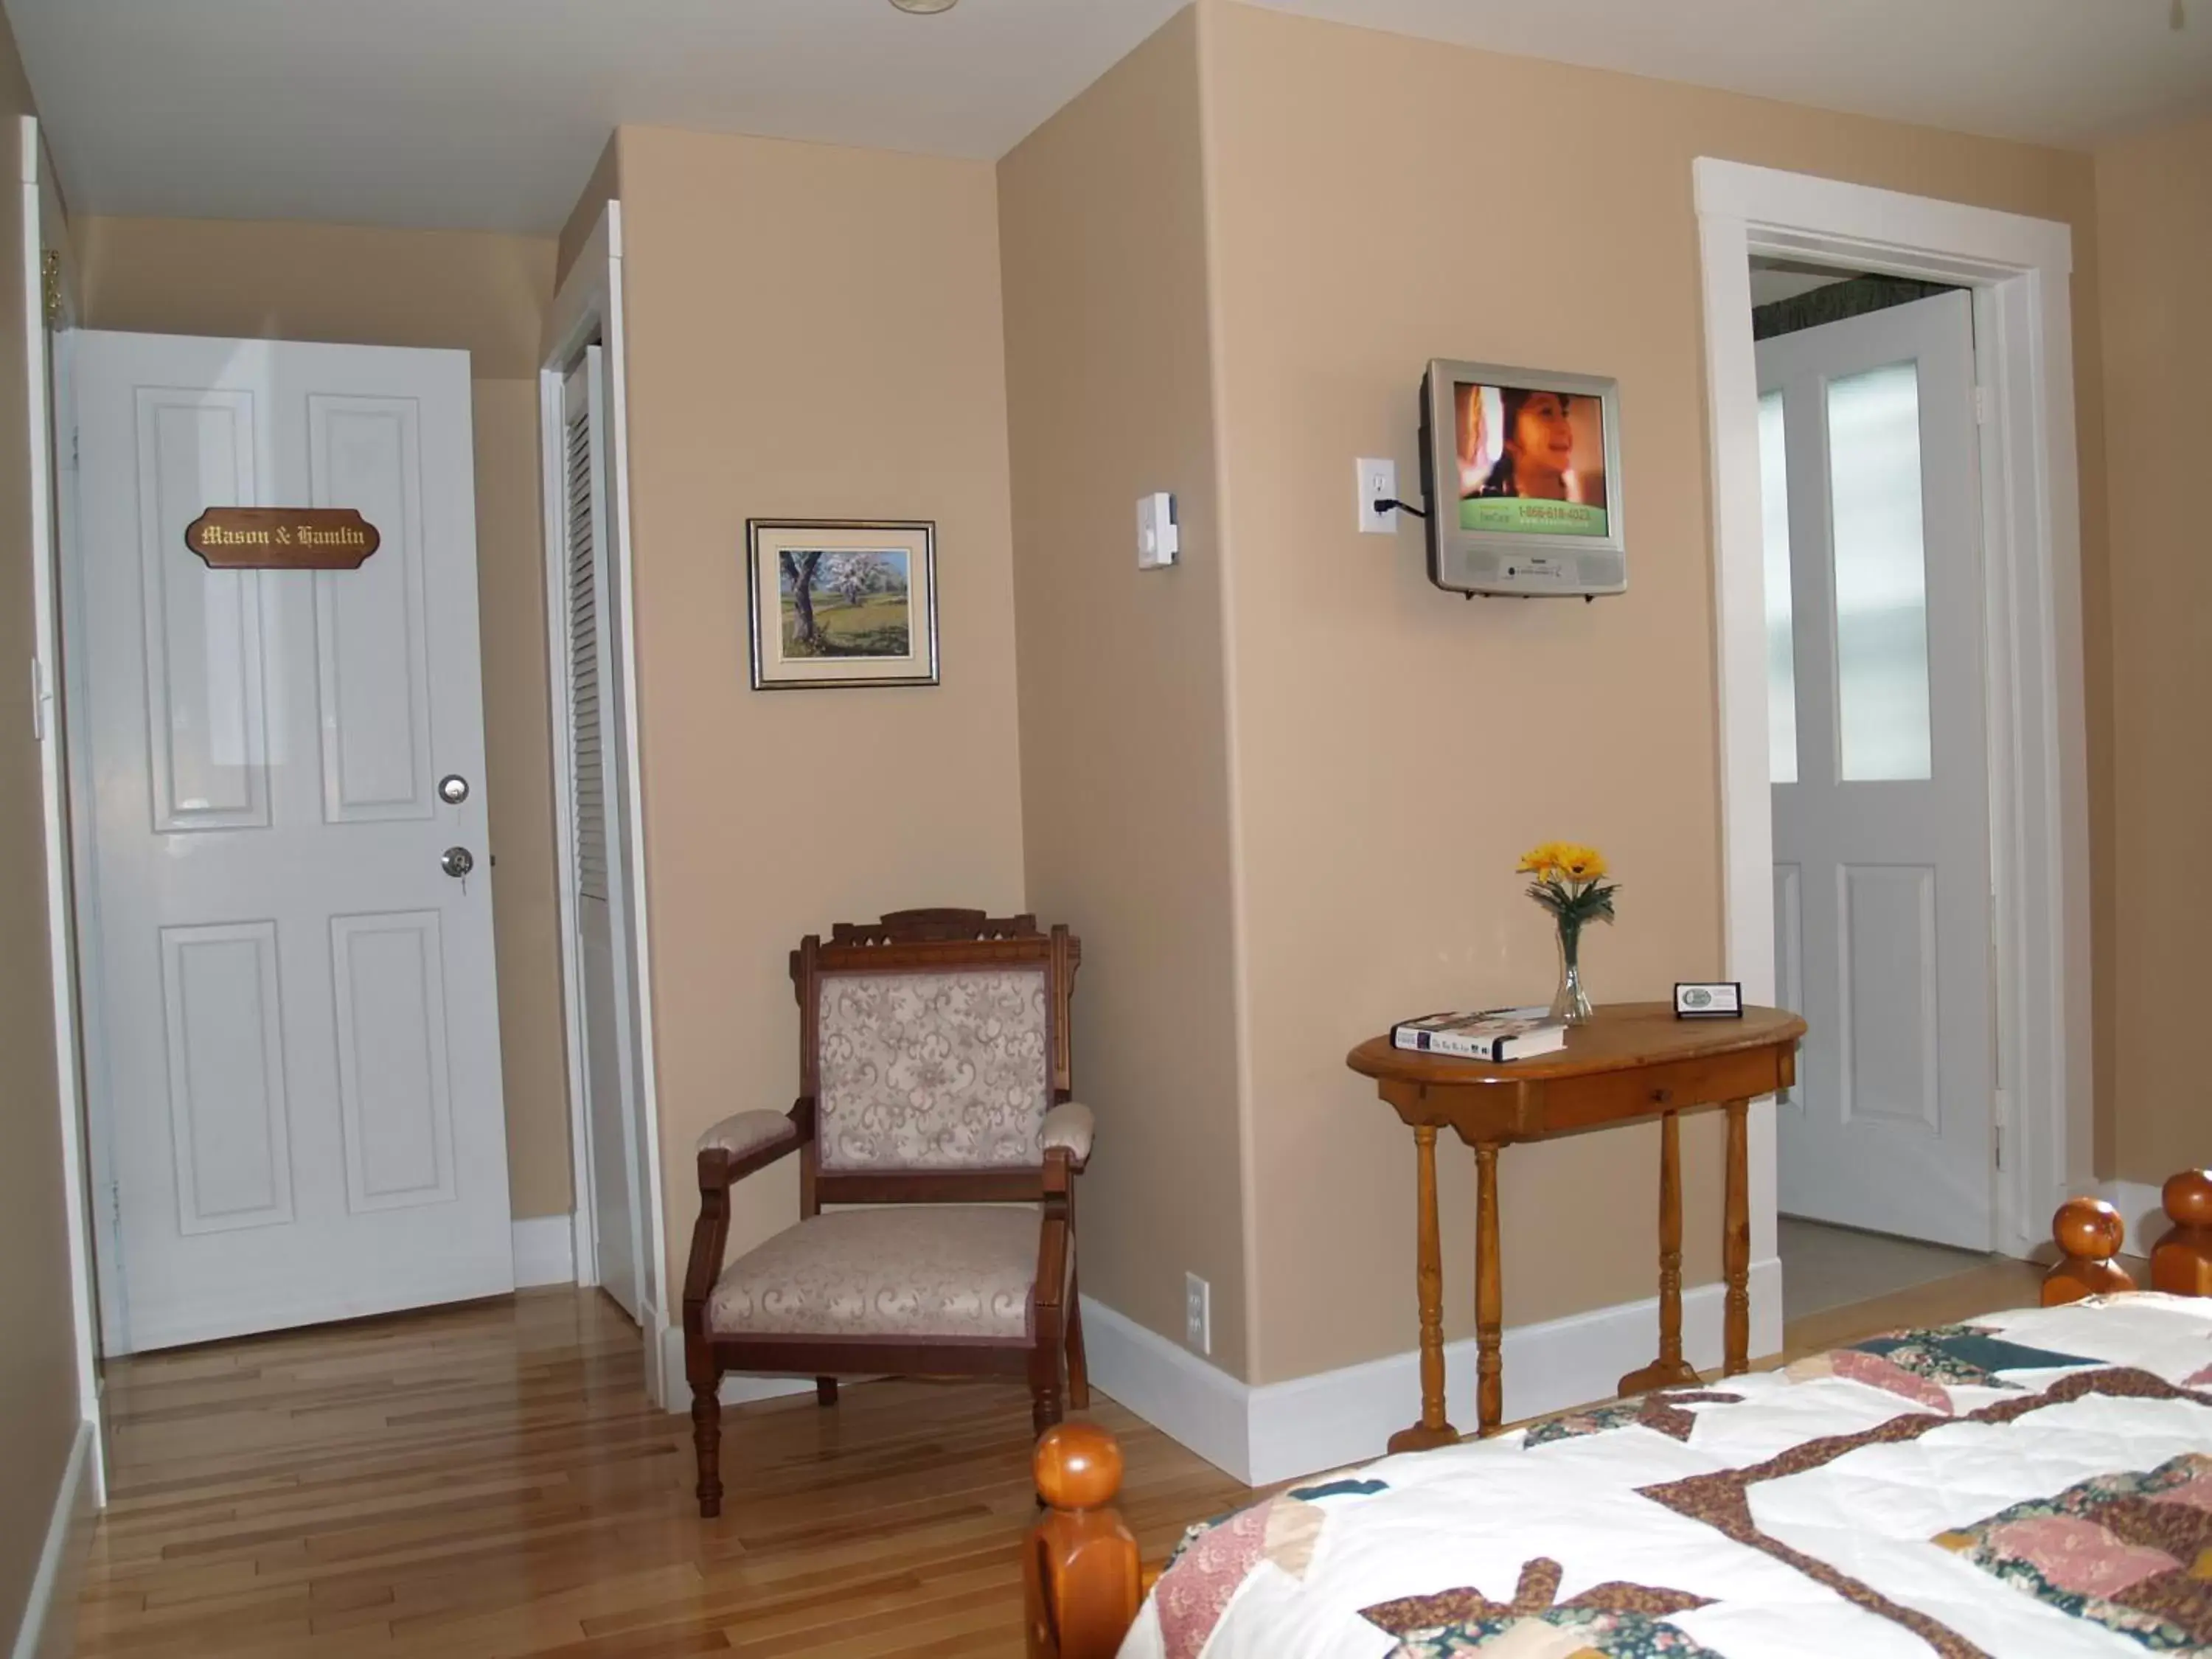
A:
[(1433, 1429), (1735, 1241), (1669, 1370), (1489, 1296)]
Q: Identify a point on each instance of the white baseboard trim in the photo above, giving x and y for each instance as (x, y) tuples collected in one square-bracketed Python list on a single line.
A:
[(737, 1390), (48, 1631), (1279, 1430), (2143, 1210), (664, 1363), (1185, 1397), (544, 1251)]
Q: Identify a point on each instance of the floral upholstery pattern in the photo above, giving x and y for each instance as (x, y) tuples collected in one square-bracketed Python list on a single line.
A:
[(930, 1271), (933, 1071)]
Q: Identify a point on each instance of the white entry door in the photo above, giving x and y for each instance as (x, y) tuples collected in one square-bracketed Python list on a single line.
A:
[(303, 1095), (598, 817), (1881, 883)]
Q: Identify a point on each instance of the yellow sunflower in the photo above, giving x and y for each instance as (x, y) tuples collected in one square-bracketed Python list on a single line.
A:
[(1580, 863), (1541, 862)]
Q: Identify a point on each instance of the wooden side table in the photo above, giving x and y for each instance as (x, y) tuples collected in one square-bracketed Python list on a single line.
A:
[(1632, 1061)]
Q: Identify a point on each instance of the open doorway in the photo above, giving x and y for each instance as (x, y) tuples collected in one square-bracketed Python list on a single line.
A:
[(2009, 278), (1877, 751)]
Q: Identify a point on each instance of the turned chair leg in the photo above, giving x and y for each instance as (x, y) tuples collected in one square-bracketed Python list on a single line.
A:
[(1044, 1406), (706, 1441), (825, 1390), (1044, 1380), (1079, 1368)]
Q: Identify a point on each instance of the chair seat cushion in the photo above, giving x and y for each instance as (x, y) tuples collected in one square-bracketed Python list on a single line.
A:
[(923, 1273)]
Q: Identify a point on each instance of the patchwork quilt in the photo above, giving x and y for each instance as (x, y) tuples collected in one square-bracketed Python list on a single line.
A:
[(2033, 1485)]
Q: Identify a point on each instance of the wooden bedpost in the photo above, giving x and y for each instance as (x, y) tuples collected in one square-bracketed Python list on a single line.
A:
[(2181, 1261), (2089, 1233), (1079, 1565)]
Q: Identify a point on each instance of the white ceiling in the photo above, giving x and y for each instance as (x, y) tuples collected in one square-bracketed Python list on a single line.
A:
[(489, 114)]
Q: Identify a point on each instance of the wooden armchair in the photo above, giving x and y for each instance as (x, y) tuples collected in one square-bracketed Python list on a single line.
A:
[(933, 1077)]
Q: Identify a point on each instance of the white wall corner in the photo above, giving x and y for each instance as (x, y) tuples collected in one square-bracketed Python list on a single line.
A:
[(1169, 1387), (1280, 1430), (2142, 1207), (49, 1628), (544, 1251)]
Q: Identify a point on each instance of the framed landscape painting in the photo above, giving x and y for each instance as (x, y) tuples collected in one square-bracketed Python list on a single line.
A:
[(840, 602)]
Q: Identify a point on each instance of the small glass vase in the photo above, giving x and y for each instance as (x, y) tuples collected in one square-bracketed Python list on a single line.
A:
[(1571, 1002)]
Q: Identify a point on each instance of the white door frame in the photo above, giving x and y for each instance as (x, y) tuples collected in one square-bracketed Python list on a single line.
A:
[(588, 308), (44, 226), (2020, 270)]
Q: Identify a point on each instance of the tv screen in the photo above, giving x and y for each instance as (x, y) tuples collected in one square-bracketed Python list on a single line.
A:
[(1531, 460)]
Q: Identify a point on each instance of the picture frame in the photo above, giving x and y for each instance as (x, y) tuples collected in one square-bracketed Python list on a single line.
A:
[(840, 603)]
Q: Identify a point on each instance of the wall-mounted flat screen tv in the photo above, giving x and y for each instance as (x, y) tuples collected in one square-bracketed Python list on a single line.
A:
[(1521, 468)]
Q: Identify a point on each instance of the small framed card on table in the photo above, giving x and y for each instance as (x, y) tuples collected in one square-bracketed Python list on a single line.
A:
[(1711, 1000)]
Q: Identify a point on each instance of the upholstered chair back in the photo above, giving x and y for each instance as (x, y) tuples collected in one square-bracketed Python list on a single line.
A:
[(923, 1069), (934, 1043)]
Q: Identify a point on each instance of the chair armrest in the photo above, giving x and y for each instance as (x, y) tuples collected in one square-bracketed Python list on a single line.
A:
[(733, 1148), (746, 1141), (1070, 1125), (747, 1132)]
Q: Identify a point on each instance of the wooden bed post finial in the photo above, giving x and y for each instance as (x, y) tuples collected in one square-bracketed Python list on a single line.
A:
[(2089, 1233), (1080, 1569), (2181, 1261)]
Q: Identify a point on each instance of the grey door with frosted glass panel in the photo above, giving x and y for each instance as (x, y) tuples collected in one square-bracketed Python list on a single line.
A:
[(1880, 767)]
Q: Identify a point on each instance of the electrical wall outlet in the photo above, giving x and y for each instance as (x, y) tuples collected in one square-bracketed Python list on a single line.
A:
[(1378, 482), (1197, 1314)]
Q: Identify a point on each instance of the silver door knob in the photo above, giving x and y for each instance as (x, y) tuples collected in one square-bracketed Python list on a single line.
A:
[(457, 862), (453, 789)]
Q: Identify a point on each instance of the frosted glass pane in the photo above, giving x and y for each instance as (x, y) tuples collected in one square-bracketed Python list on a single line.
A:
[(1781, 643), (1881, 575)]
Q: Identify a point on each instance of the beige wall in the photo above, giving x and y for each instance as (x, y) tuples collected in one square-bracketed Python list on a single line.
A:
[(813, 332), (2154, 232), (487, 295), (1373, 886), (1124, 729), (38, 1363)]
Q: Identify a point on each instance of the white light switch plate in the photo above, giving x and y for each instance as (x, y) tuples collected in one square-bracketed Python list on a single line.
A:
[(1378, 482), (1159, 540)]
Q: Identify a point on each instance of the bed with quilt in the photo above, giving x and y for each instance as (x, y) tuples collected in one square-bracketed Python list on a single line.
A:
[(2034, 1483)]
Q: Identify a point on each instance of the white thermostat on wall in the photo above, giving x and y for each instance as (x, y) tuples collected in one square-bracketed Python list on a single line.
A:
[(1156, 538)]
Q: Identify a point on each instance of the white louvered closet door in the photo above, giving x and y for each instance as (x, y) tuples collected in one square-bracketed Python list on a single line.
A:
[(609, 1186)]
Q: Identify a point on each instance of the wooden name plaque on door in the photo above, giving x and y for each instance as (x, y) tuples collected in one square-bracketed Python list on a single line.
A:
[(282, 538)]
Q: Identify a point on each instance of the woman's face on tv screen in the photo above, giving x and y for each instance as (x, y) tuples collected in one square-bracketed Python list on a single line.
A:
[(1541, 432)]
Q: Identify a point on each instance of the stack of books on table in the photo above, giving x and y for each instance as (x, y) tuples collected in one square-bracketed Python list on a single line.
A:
[(1490, 1034)]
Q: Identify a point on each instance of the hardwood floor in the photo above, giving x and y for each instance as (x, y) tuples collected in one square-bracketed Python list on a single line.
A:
[(487, 1481)]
